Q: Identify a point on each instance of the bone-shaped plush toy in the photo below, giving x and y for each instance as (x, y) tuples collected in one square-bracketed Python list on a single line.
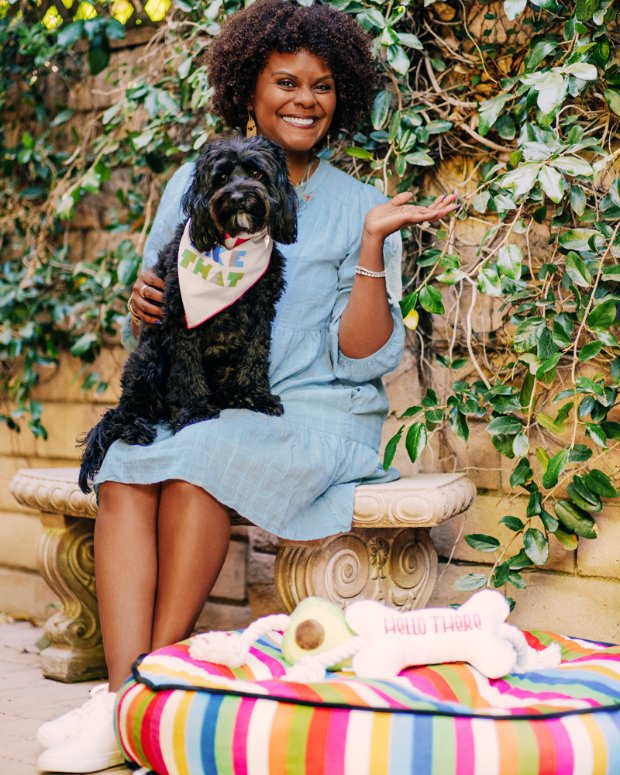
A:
[(474, 633), (383, 641)]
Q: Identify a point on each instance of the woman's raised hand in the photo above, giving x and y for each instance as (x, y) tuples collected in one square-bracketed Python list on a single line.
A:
[(396, 214), (147, 297)]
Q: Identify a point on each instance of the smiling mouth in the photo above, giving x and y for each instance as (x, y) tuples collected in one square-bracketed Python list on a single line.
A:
[(299, 121)]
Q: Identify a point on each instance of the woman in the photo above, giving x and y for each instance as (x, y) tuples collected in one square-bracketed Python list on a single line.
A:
[(294, 75)]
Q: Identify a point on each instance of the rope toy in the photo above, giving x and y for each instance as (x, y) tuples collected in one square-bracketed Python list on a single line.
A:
[(379, 641)]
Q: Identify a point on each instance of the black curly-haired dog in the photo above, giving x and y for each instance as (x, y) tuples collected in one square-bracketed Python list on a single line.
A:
[(179, 375)]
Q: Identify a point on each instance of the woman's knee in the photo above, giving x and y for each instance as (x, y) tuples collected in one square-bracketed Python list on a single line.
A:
[(179, 488), (120, 498)]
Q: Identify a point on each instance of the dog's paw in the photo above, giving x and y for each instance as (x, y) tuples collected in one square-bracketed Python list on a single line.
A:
[(269, 404), (192, 416)]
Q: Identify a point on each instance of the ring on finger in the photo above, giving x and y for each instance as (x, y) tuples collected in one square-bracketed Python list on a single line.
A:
[(134, 316), (141, 291)]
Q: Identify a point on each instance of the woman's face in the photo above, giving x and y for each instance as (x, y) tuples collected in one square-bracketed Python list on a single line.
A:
[(294, 101)]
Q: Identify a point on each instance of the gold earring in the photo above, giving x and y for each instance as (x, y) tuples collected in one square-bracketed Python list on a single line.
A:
[(250, 127)]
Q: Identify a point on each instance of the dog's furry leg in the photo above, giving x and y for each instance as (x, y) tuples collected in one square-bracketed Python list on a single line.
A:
[(249, 385), (189, 397)]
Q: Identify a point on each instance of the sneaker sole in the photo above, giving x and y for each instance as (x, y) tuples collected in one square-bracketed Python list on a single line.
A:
[(93, 764)]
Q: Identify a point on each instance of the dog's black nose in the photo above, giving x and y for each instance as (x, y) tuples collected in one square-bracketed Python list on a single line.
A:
[(237, 197)]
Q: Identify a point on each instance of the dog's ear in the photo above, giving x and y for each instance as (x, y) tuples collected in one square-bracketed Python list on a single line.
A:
[(195, 201), (283, 217)]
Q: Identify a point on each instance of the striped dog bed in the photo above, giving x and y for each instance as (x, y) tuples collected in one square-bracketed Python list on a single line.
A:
[(178, 716)]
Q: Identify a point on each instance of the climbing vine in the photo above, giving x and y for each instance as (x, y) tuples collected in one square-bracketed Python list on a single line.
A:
[(524, 96)]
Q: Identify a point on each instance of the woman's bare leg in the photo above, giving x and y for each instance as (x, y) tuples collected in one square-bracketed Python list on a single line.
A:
[(193, 534), (126, 572)]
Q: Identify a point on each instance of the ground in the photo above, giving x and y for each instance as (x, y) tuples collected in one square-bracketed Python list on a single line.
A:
[(27, 699)]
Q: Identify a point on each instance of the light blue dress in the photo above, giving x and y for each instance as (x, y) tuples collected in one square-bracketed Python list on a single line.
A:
[(293, 475)]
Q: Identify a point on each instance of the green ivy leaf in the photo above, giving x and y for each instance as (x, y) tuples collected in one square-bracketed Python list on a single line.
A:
[(536, 546), (577, 270), (489, 282), (590, 350), (597, 434), (600, 483), (380, 109), (603, 316), (410, 40), (577, 200), (419, 159), (557, 464), (398, 59), (568, 540), (573, 165), (470, 581), (489, 111), (359, 153), (613, 100), (551, 523), (83, 344), (521, 445), (551, 87), (522, 473), (514, 8), (69, 34), (391, 447), (98, 54), (504, 425), (512, 523), (522, 179), (431, 300), (585, 9), (482, 543), (577, 239), (509, 259), (579, 454), (416, 440), (552, 183)]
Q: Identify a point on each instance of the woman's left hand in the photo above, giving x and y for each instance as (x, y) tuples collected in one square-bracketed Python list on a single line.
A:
[(396, 214)]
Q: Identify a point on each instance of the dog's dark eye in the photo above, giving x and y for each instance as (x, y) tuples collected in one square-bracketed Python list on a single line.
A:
[(257, 174), (220, 178)]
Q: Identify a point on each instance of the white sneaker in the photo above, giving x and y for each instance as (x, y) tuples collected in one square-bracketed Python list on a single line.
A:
[(92, 745), (54, 733)]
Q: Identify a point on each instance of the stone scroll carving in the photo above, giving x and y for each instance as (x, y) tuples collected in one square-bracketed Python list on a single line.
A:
[(423, 500), (66, 562), (396, 567)]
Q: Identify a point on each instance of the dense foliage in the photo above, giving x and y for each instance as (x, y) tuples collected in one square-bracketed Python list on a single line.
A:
[(525, 95)]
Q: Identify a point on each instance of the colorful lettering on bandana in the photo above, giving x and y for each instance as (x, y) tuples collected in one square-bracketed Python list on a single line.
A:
[(233, 258)]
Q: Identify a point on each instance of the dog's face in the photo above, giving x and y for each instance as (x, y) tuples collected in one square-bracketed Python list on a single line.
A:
[(241, 185)]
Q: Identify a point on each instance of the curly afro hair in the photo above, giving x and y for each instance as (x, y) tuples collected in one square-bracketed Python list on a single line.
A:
[(248, 37)]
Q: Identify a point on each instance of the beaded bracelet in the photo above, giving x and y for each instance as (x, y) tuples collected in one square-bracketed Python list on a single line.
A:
[(368, 272)]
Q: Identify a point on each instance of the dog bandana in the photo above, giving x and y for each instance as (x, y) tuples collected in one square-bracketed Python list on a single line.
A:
[(211, 282)]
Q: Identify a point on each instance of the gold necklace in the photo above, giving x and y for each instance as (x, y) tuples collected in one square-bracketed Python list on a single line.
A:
[(306, 176)]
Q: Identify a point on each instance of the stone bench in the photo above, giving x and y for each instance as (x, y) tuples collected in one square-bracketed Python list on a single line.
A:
[(388, 555)]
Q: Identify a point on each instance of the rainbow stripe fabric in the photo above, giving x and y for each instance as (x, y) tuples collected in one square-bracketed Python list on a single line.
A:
[(178, 716)]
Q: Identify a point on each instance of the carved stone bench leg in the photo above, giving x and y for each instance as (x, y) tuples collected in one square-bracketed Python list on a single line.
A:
[(66, 562), (395, 566)]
